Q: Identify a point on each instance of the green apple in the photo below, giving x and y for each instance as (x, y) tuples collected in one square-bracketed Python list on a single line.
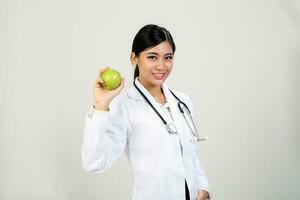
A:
[(111, 79)]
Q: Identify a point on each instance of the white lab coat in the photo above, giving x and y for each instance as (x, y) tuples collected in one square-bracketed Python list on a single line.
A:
[(161, 161)]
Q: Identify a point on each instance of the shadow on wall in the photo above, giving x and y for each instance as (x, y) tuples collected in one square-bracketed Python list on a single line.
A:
[(294, 99), (292, 9)]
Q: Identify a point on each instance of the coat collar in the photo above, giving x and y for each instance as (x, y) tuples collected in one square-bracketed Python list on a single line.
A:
[(133, 93)]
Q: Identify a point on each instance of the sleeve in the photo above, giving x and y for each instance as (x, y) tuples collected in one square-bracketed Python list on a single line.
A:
[(202, 179), (201, 176), (105, 137), (97, 114)]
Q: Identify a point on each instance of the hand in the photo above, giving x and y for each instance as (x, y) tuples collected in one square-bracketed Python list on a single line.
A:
[(103, 97), (202, 195)]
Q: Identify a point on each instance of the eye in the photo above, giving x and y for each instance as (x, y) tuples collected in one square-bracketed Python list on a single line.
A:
[(169, 58), (151, 57)]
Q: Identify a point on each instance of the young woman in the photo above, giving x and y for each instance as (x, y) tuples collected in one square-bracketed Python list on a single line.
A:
[(147, 124)]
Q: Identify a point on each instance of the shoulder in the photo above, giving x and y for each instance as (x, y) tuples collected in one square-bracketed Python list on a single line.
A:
[(185, 99), (125, 98), (182, 96), (133, 94), (120, 101)]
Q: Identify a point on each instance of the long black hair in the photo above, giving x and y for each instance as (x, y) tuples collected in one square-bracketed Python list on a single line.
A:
[(148, 37)]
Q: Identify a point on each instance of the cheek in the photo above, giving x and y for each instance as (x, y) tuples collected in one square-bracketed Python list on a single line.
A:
[(146, 65), (169, 66), (145, 68)]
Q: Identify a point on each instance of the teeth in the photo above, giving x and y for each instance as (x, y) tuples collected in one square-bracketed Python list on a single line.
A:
[(159, 75)]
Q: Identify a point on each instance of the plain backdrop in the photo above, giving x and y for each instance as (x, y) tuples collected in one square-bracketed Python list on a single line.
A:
[(238, 61)]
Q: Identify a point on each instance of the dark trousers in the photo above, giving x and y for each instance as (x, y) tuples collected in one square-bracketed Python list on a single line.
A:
[(187, 193)]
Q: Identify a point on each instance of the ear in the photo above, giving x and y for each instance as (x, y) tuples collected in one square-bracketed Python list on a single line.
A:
[(133, 58)]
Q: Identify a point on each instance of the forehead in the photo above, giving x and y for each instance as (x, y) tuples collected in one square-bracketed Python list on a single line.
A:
[(161, 48)]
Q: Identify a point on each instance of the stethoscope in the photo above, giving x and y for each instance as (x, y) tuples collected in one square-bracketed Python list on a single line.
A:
[(183, 108)]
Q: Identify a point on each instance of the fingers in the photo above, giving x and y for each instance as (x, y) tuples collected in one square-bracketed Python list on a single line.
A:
[(123, 83), (99, 82)]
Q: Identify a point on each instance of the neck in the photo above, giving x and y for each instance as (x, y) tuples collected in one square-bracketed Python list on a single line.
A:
[(154, 90)]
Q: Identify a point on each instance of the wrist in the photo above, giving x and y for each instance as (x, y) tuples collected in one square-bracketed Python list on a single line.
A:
[(101, 106)]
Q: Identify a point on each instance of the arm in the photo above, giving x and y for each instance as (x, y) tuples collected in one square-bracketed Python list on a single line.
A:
[(105, 137), (105, 130), (203, 188)]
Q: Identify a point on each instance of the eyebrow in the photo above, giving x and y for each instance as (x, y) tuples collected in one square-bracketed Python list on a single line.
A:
[(167, 54)]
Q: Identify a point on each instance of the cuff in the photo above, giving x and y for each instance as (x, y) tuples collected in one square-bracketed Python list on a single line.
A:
[(96, 114), (99, 114)]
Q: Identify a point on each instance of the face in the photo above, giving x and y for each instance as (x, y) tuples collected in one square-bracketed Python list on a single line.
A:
[(155, 64)]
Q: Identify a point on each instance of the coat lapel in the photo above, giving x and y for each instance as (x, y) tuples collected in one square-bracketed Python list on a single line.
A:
[(173, 103), (136, 95)]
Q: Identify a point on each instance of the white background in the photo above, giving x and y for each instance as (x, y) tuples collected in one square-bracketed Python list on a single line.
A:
[(237, 60)]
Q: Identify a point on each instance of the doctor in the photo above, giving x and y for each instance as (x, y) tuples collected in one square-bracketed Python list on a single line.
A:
[(165, 165)]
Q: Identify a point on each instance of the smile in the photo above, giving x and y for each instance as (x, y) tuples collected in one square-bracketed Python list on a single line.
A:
[(159, 75)]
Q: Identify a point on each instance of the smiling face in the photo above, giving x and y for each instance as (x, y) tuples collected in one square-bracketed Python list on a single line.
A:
[(155, 64)]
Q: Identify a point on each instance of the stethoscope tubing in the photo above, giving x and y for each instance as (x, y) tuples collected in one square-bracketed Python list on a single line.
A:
[(168, 126)]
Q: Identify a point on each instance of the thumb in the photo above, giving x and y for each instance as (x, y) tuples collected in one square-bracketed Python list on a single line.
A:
[(121, 86)]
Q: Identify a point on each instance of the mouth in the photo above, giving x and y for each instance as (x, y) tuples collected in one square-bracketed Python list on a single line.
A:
[(159, 76)]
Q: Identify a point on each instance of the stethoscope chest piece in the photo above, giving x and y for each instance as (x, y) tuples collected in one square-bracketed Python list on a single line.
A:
[(171, 128)]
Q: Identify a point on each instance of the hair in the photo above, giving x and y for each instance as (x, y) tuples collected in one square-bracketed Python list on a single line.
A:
[(148, 37)]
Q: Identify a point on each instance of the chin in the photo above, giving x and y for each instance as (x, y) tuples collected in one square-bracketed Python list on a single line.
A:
[(158, 82)]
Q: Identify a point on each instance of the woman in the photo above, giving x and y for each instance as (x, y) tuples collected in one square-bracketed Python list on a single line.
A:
[(164, 160)]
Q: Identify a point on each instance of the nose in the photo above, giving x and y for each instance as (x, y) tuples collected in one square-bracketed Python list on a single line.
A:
[(160, 64)]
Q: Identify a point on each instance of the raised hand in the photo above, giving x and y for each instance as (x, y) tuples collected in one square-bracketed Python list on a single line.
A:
[(103, 97)]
